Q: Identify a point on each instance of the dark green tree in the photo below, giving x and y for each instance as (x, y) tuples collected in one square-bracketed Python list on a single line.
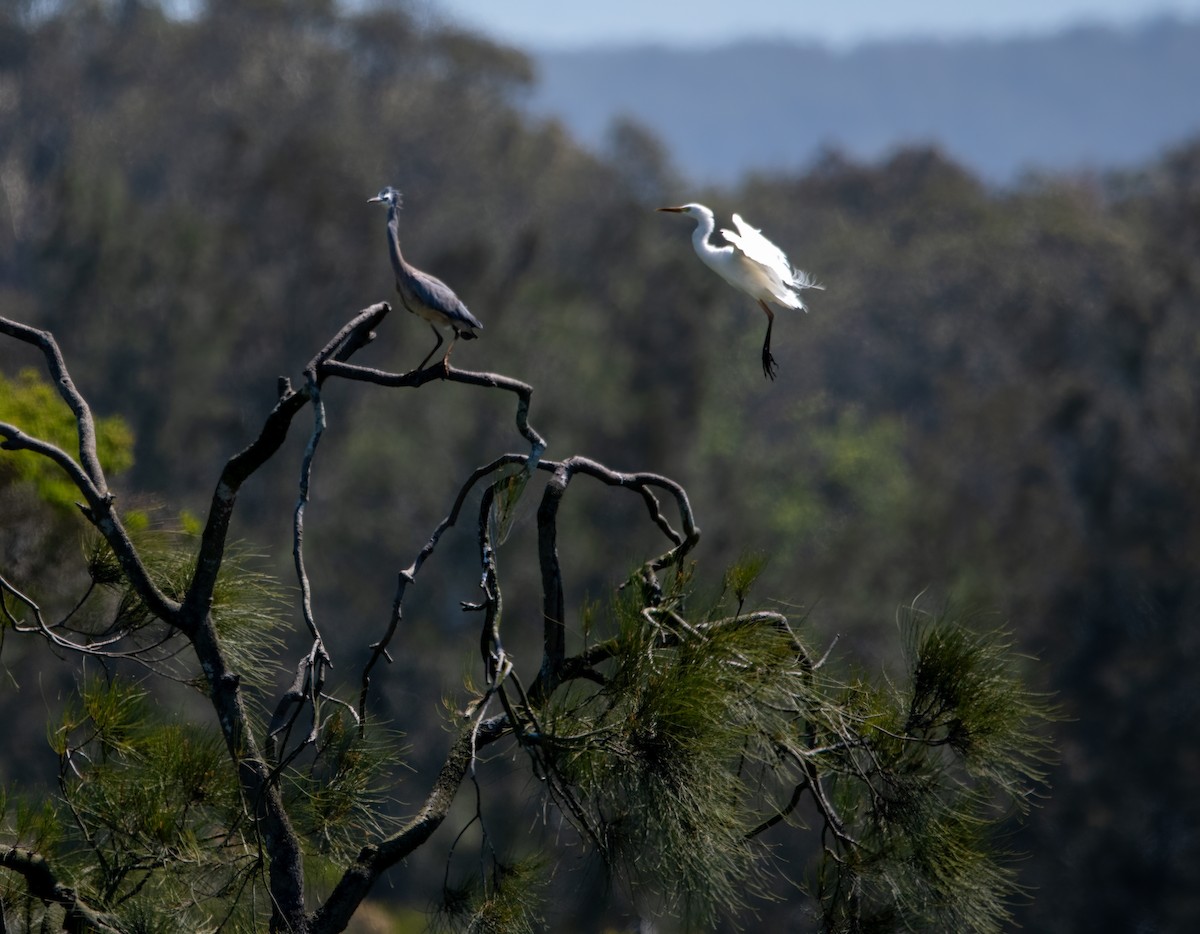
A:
[(673, 734)]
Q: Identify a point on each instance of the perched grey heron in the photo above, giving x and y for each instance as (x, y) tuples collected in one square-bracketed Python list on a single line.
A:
[(422, 294), (752, 263)]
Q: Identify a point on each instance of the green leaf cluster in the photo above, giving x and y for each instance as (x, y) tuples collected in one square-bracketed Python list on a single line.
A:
[(32, 404)]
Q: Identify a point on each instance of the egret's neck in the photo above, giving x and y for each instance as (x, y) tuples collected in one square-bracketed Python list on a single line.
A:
[(705, 225), (715, 257)]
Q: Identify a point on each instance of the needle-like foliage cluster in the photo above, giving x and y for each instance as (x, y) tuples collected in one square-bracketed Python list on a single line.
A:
[(248, 606), (338, 798), (924, 773), (150, 813), (692, 738), (505, 900)]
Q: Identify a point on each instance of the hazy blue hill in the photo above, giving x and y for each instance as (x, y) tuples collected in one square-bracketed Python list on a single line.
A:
[(1089, 96)]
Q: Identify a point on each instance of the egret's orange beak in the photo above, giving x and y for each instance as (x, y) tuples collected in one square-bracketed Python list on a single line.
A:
[(675, 210)]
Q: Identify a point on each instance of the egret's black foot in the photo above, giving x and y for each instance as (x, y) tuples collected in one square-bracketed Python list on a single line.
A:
[(770, 367)]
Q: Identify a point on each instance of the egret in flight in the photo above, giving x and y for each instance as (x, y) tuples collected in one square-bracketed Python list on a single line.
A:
[(422, 294), (752, 263)]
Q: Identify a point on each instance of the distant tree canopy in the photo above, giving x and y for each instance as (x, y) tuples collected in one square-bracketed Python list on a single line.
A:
[(995, 402)]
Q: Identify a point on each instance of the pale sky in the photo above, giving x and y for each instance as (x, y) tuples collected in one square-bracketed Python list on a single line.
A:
[(554, 24)]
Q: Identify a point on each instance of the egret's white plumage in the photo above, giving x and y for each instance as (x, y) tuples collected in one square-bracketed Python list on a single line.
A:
[(752, 263)]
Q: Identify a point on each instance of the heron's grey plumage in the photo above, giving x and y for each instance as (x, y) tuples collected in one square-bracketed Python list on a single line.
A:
[(422, 294)]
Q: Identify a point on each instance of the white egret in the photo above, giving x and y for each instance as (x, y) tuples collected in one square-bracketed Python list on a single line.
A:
[(422, 294), (752, 263)]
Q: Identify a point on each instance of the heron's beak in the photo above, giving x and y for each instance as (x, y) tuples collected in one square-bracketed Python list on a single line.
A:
[(374, 200), (675, 210)]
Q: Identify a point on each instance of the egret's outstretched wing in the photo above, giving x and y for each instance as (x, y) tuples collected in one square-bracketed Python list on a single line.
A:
[(758, 248)]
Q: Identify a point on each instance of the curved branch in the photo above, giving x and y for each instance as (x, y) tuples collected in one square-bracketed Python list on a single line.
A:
[(57, 367), (356, 334), (87, 474), (17, 440), (641, 482), (313, 665), (372, 861), (415, 378), (43, 884), (409, 575), (99, 648)]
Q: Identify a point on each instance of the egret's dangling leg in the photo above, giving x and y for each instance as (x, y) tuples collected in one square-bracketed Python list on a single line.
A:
[(768, 362), (438, 335)]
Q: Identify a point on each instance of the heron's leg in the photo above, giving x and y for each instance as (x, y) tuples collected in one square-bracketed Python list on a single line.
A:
[(446, 359), (770, 367), (438, 335)]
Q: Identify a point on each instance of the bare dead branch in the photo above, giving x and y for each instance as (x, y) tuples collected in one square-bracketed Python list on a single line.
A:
[(642, 484), (43, 883), (98, 647), (553, 605), (17, 440), (351, 337), (416, 378), (491, 649), (87, 474), (408, 575), (57, 367), (372, 861), (310, 674)]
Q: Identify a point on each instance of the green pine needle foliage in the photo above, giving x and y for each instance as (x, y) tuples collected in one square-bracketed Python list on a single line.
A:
[(248, 606), (697, 736), (338, 798), (741, 576), (507, 901), (928, 775), (664, 757), (155, 828)]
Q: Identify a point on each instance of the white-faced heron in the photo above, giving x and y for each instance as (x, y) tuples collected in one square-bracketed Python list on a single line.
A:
[(422, 294)]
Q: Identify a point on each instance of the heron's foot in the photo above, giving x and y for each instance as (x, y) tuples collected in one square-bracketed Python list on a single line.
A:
[(770, 367)]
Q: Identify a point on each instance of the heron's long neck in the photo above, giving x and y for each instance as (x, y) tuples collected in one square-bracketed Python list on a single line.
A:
[(393, 229)]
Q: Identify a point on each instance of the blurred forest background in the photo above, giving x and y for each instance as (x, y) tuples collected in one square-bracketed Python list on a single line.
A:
[(996, 403)]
